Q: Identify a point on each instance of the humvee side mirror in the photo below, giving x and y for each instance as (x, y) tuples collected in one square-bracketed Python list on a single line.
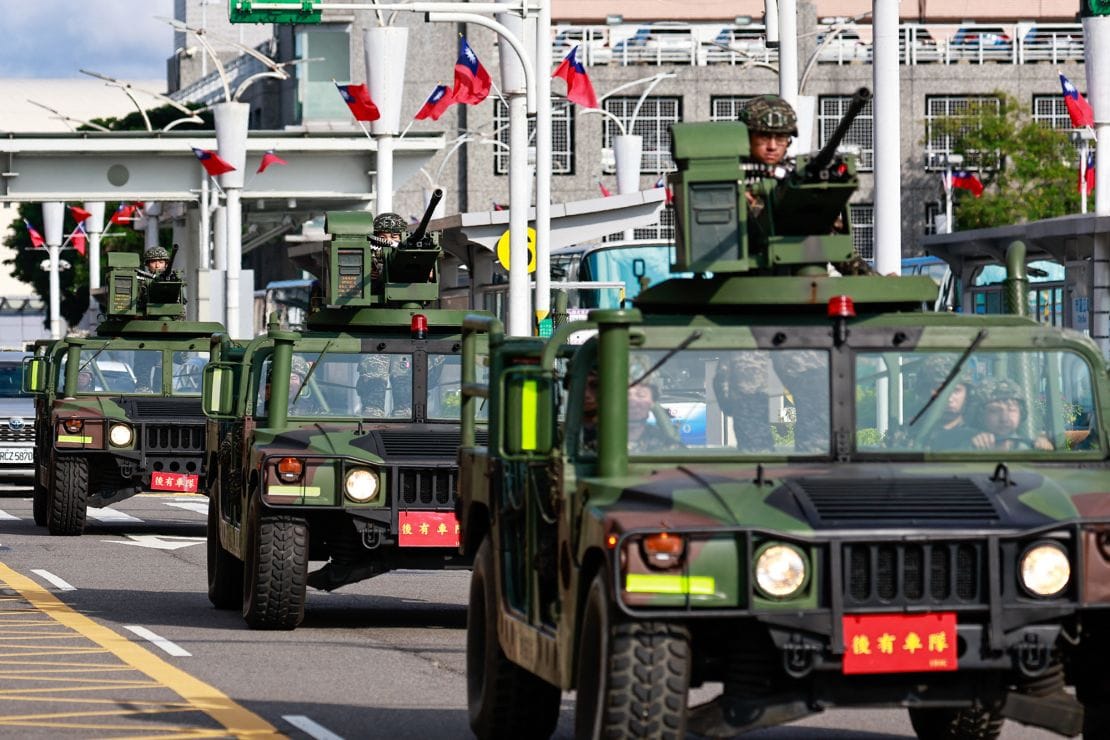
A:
[(527, 424), (217, 400), (34, 375)]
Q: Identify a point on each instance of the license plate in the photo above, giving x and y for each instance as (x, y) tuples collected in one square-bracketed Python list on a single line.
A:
[(17, 455), (427, 529), (174, 482), (899, 643)]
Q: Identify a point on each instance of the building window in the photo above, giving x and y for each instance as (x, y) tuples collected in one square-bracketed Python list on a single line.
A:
[(938, 145), (331, 50), (863, 229), (653, 123), (934, 217), (1051, 112), (663, 230), (562, 138), (830, 109), (726, 107)]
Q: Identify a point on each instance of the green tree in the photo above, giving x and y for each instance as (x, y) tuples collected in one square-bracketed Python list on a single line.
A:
[(1029, 171)]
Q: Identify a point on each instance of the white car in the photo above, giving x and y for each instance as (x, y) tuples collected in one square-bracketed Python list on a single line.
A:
[(17, 420)]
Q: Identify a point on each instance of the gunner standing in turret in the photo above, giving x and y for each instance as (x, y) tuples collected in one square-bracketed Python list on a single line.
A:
[(771, 123), (156, 259)]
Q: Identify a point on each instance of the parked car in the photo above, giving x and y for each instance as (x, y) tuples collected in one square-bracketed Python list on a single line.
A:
[(916, 45), (592, 43), (981, 43), (736, 44), (658, 43), (1053, 43), (845, 47), (17, 420)]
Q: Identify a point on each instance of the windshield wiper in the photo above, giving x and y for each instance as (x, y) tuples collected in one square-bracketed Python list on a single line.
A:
[(694, 336), (95, 355), (311, 370), (952, 374)]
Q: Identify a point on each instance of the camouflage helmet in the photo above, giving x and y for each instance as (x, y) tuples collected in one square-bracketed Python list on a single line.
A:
[(155, 253), (299, 365), (769, 114), (935, 369), (390, 223), (998, 390)]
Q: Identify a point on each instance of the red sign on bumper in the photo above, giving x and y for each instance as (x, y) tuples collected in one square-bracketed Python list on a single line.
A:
[(183, 482), (427, 529), (899, 643)]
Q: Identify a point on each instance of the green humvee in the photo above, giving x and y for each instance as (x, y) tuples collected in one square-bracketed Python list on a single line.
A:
[(357, 463), (794, 483), (119, 412)]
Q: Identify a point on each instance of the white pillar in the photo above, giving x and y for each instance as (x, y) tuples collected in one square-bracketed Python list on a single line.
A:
[(151, 211), (888, 143), (383, 179), (219, 238), (542, 66), (385, 49), (1097, 37), (94, 227), (628, 150), (231, 139), (53, 214), (204, 239), (788, 50)]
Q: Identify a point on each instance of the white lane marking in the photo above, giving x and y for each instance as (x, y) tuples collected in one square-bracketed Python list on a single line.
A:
[(169, 647), (60, 584), (158, 541), (197, 506), (111, 515), (310, 728), (6, 515)]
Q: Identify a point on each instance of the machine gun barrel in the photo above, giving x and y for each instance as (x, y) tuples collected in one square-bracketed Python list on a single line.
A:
[(822, 159), (422, 228)]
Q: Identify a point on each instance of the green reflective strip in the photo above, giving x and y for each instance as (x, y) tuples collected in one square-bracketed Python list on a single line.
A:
[(306, 491), (75, 439), (657, 583), (529, 393)]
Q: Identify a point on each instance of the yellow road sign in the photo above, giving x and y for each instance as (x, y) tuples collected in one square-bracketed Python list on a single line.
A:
[(503, 249)]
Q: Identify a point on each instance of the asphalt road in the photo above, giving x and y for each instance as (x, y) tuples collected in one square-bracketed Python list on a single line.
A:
[(111, 635)]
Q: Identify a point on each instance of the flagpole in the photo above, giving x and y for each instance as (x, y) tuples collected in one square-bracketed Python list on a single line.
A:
[(406, 129), (1083, 174)]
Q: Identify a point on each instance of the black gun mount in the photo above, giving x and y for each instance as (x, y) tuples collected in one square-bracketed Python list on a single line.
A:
[(821, 160), (415, 239)]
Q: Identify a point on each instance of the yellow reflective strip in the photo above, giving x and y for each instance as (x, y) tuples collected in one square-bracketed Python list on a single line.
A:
[(307, 491), (529, 393), (214, 397), (34, 374), (75, 439), (657, 583)]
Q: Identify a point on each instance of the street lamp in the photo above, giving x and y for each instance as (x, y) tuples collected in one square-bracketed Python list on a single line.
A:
[(1083, 137), (951, 161)]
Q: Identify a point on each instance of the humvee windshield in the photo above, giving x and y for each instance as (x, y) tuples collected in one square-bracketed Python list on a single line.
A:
[(135, 371)]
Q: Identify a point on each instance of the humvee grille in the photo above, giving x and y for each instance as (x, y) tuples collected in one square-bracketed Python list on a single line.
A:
[(137, 408), (424, 444), (425, 486), (173, 438), (886, 500), (24, 434), (907, 574)]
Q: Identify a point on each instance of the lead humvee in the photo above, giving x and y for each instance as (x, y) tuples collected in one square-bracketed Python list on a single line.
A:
[(886, 506), (118, 413), (356, 464)]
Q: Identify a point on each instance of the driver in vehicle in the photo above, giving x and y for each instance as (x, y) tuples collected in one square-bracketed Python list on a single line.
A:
[(1000, 414)]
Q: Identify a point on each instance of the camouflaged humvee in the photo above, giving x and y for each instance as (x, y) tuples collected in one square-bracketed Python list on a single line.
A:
[(118, 413), (880, 506), (356, 463)]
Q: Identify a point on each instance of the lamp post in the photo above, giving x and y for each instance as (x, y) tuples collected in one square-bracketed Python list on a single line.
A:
[(1084, 136), (950, 161), (53, 212), (94, 226)]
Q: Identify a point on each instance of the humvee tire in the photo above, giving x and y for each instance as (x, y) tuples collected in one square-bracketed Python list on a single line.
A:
[(40, 502), (275, 571), (68, 497), (970, 723), (503, 699), (633, 677), (225, 571)]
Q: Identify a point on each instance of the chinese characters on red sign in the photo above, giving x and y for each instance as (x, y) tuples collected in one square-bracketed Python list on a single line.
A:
[(899, 643), (427, 529), (183, 482)]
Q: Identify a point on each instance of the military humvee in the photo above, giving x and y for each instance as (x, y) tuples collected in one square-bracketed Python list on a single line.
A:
[(886, 507), (356, 464), (119, 412)]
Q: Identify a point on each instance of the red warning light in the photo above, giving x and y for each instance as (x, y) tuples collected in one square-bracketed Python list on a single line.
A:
[(841, 307), (420, 326)]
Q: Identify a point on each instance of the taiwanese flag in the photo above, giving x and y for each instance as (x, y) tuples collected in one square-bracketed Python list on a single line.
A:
[(967, 181), (79, 213), (357, 98), (1088, 176), (212, 163), (472, 82), (438, 102), (498, 206), (579, 88), (1079, 110), (36, 238), (123, 215), (662, 183), (605, 192), (79, 239), (268, 159)]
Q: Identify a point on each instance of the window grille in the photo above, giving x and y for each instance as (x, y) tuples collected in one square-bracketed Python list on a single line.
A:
[(934, 215), (653, 123), (562, 138), (861, 134), (939, 145), (726, 107), (863, 229)]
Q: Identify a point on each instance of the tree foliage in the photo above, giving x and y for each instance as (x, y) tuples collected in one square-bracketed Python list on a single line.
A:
[(1030, 171)]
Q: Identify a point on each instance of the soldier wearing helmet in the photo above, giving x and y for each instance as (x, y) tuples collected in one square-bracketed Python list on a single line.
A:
[(771, 123), (951, 431), (378, 374), (156, 259), (389, 230), (1000, 413)]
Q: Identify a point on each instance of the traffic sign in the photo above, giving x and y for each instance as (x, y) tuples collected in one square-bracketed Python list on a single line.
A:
[(503, 249), (273, 11)]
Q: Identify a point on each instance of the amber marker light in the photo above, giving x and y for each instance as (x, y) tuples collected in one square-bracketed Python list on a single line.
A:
[(611, 541), (663, 549), (73, 425), (290, 469)]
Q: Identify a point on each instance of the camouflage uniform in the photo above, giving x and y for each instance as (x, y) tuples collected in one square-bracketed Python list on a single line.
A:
[(306, 402), (378, 373), (805, 374), (385, 225), (949, 432), (740, 386)]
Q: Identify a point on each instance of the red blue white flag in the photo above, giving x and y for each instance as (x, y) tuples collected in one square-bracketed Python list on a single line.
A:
[(472, 81), (36, 238), (79, 239), (79, 213), (357, 98), (967, 181), (579, 88), (1079, 110), (1087, 177), (124, 214), (605, 192), (212, 163), (268, 159), (662, 183), (438, 102)]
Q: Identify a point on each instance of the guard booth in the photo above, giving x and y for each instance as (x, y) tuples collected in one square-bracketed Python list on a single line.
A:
[(1059, 258)]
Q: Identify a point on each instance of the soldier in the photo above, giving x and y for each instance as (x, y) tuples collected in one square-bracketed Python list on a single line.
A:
[(379, 373), (952, 431), (805, 373), (771, 124), (740, 386), (389, 230), (645, 437), (1000, 413), (156, 259)]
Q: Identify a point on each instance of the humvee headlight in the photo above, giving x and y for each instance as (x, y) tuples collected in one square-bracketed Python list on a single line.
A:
[(290, 469), (1045, 569), (663, 550), (361, 485), (73, 426), (780, 571), (120, 435)]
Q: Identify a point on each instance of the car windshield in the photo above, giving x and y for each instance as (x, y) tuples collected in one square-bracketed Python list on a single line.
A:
[(188, 369), (108, 370), (994, 403), (445, 386), (11, 380)]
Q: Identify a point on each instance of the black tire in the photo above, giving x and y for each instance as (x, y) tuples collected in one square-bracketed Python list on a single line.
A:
[(275, 573), (503, 699), (225, 571), (68, 497), (633, 677), (971, 723), (40, 502)]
